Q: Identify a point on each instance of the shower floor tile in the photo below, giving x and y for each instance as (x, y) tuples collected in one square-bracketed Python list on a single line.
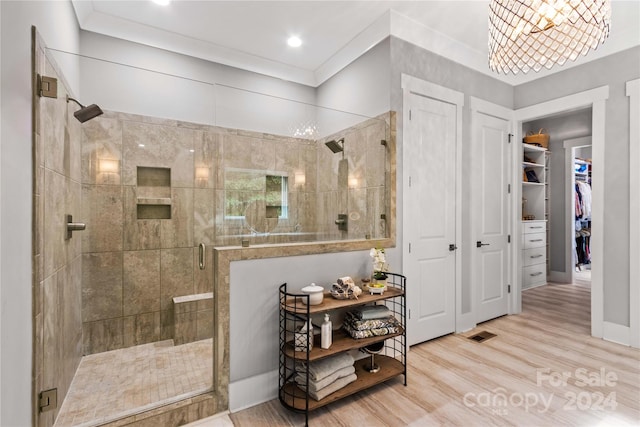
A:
[(117, 383)]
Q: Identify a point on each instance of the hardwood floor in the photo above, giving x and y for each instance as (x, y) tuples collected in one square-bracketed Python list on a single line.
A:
[(542, 369)]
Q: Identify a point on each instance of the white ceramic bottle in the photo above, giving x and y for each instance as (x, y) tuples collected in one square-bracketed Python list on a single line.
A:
[(326, 332)]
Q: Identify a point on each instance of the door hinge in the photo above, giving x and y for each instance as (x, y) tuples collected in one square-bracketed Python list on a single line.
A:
[(509, 188), (509, 139), (47, 86), (508, 289), (409, 313), (48, 400), (409, 114), (409, 181), (409, 247), (508, 238)]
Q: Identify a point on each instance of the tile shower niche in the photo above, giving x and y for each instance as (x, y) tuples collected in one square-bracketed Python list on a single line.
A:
[(153, 193)]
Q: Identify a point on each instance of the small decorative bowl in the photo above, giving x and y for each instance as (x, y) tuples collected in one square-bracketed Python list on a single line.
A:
[(315, 292), (373, 289)]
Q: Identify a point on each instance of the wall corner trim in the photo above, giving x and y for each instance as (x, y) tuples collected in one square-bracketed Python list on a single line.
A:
[(633, 92)]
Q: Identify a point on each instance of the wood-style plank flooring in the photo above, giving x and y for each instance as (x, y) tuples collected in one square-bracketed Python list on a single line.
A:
[(533, 373)]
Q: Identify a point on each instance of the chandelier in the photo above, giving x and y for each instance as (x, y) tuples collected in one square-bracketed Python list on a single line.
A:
[(532, 34)]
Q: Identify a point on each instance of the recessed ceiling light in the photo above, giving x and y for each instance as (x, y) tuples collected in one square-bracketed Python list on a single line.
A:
[(294, 41), (162, 2)]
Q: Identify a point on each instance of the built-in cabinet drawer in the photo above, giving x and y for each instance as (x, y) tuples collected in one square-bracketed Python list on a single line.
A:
[(534, 253), (534, 275), (534, 256), (534, 240), (534, 227)]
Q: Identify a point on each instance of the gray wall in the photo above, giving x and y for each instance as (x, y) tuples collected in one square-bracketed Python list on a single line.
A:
[(566, 126), (132, 78), (412, 60), (57, 24), (614, 71)]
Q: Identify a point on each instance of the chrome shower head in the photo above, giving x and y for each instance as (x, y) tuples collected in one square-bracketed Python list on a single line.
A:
[(335, 146), (85, 113)]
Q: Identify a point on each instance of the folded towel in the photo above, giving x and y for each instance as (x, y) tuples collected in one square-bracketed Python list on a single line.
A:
[(363, 325), (301, 379), (393, 328), (333, 387), (372, 312), (322, 368)]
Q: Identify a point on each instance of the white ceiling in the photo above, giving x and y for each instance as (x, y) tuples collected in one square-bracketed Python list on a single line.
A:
[(252, 34)]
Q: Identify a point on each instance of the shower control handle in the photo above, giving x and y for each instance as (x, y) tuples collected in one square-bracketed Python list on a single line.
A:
[(73, 226)]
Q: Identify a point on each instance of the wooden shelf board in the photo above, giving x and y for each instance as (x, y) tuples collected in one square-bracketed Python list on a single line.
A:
[(539, 184), (331, 303), (342, 341), (294, 397)]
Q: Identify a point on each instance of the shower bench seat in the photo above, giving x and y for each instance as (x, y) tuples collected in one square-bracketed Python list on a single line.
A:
[(192, 318)]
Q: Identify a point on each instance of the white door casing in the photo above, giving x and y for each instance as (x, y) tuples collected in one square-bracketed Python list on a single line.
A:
[(431, 221), (491, 171), (596, 98)]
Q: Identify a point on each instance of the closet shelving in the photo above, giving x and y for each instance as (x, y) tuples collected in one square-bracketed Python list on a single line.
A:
[(535, 215), (392, 359)]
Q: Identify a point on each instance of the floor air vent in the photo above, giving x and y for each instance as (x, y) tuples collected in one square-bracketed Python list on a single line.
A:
[(482, 336)]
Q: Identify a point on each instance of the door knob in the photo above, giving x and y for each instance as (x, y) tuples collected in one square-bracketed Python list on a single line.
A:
[(479, 244)]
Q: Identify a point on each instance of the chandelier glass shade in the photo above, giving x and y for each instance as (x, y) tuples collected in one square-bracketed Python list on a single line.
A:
[(529, 35)]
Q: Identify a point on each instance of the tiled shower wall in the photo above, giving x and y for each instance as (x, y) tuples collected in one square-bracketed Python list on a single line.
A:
[(57, 269), (132, 268)]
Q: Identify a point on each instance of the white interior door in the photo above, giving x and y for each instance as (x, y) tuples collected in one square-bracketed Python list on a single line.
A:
[(430, 264), (491, 171)]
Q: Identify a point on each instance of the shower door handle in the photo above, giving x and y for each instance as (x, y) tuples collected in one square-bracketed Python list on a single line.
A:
[(201, 253)]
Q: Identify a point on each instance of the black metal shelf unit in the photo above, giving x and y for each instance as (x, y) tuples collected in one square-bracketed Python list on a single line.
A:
[(295, 312)]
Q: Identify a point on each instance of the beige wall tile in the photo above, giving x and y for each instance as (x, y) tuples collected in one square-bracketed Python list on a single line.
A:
[(203, 217), (141, 329), (138, 233), (102, 151), (166, 324), (52, 127), (185, 327), (102, 210), (55, 230), (204, 324), (203, 279), (164, 146), (176, 274), (206, 158), (102, 335), (52, 345), (141, 282), (248, 153), (101, 286), (177, 232)]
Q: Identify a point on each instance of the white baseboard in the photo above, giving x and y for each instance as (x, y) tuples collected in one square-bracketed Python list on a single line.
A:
[(616, 333), (253, 391)]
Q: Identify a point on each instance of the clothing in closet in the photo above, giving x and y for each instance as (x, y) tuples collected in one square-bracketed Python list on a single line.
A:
[(582, 252)]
